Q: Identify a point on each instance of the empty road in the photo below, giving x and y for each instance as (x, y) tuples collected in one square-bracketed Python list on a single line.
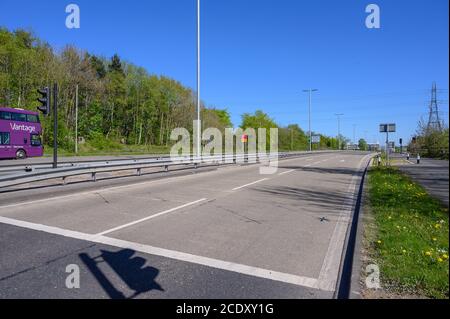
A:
[(227, 232), (432, 174)]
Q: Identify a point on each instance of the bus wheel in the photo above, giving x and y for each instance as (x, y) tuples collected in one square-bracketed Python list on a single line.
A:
[(20, 154)]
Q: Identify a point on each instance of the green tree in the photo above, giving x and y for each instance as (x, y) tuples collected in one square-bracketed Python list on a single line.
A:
[(362, 144), (117, 101)]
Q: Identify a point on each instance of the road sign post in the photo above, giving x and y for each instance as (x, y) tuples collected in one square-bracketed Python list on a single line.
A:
[(316, 139), (387, 128), (244, 140)]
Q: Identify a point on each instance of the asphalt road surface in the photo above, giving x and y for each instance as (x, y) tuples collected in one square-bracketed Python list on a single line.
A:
[(431, 174), (227, 232)]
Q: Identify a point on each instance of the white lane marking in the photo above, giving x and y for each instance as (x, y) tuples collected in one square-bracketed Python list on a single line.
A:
[(287, 172), (329, 272), (342, 161), (112, 188), (151, 217), (172, 254), (307, 165), (107, 189), (249, 184)]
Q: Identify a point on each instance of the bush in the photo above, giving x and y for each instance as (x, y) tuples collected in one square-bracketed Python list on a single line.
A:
[(100, 142)]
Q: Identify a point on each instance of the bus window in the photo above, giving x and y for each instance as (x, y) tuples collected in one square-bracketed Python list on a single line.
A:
[(19, 117), (4, 138), (35, 140), (5, 115), (32, 118)]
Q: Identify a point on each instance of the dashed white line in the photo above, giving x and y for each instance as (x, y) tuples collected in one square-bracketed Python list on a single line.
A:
[(287, 172), (150, 217), (100, 190), (249, 184), (114, 188)]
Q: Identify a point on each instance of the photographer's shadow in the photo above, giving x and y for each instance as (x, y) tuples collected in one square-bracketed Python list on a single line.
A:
[(131, 270)]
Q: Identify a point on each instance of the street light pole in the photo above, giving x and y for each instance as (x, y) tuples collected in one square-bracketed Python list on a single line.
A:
[(339, 129), (309, 116), (76, 119), (198, 82)]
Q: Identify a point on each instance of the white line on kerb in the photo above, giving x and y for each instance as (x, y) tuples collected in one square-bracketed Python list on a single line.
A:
[(329, 272), (172, 254), (258, 181), (150, 217)]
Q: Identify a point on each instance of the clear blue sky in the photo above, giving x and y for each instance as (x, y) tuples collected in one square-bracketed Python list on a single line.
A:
[(260, 54)]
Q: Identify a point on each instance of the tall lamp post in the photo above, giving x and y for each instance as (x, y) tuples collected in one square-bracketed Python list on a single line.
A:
[(309, 116), (198, 83), (339, 129)]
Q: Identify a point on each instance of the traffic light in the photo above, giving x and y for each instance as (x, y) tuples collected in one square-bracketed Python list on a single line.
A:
[(401, 141), (45, 100)]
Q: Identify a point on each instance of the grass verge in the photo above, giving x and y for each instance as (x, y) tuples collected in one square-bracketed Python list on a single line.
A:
[(409, 238)]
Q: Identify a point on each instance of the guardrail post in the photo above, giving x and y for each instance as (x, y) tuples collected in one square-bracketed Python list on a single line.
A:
[(195, 165), (94, 176), (138, 171), (64, 180), (166, 168)]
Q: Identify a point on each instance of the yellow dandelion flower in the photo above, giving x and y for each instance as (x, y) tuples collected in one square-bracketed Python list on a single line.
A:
[(434, 238), (440, 260), (428, 253), (445, 256), (379, 241), (404, 251)]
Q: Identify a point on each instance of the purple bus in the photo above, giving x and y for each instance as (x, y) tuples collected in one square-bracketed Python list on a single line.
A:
[(20, 134)]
